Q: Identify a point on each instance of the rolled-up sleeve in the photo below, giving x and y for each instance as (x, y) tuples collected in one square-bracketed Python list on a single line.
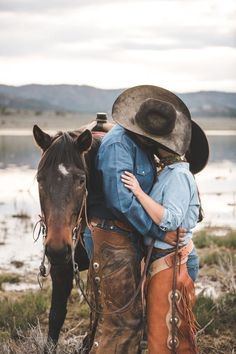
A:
[(112, 161), (176, 200)]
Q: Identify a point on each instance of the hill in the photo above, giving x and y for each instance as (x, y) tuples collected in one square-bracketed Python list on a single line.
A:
[(75, 98)]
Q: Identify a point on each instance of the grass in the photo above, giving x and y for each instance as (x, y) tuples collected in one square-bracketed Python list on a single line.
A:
[(219, 337), (21, 312), (218, 322), (222, 311), (217, 317), (204, 239), (205, 310), (20, 332), (9, 278), (218, 258), (228, 241)]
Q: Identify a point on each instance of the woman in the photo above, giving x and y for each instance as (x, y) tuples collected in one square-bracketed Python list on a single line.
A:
[(173, 201)]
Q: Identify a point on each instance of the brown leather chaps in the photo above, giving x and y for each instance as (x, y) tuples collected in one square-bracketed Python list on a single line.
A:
[(160, 317), (114, 276)]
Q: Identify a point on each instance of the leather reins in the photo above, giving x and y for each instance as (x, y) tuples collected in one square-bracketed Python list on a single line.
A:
[(174, 298), (43, 271)]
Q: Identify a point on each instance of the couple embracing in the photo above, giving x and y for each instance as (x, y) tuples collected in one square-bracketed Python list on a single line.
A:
[(145, 205)]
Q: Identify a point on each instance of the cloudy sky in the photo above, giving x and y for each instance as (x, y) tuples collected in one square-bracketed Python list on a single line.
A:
[(183, 45)]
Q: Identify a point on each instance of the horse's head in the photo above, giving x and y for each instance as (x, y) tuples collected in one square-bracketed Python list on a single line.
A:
[(61, 178)]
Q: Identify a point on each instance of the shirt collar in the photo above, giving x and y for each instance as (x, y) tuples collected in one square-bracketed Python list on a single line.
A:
[(184, 165)]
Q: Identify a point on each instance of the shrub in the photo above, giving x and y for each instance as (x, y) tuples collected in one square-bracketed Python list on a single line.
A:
[(205, 239), (22, 312), (202, 240), (222, 311), (9, 278)]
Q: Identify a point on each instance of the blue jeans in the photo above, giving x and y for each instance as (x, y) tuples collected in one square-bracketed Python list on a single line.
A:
[(135, 239), (193, 264), (88, 242)]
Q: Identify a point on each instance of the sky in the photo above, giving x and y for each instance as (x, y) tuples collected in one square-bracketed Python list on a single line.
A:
[(182, 45)]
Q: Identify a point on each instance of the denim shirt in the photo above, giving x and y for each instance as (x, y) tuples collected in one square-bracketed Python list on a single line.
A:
[(117, 153), (176, 190)]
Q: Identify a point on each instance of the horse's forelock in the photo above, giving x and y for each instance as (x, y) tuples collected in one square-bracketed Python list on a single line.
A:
[(61, 151)]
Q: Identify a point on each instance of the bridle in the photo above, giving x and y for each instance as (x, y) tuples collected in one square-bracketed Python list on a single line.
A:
[(75, 235)]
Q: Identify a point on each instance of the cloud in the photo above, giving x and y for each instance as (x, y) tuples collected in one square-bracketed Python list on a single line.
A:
[(31, 6), (36, 35), (152, 39)]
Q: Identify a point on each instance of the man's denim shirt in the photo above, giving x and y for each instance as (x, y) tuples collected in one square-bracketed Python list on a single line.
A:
[(176, 190), (118, 153)]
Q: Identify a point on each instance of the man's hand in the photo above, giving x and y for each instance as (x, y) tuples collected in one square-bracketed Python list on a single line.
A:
[(171, 237)]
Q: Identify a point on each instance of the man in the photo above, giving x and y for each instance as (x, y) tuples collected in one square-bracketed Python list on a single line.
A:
[(118, 225)]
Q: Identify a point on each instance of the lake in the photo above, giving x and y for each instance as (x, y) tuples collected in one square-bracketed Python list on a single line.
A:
[(19, 204)]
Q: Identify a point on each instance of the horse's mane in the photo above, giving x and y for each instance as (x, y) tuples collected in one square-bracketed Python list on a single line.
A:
[(63, 150)]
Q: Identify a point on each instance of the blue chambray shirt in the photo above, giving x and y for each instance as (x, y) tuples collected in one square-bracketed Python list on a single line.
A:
[(117, 153), (176, 190)]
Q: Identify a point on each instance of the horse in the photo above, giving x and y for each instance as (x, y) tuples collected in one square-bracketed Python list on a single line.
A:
[(63, 178)]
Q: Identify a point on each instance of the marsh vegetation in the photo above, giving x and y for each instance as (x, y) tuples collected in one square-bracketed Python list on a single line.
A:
[(24, 315)]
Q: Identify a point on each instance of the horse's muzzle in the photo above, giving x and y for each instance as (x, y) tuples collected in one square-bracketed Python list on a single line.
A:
[(57, 257)]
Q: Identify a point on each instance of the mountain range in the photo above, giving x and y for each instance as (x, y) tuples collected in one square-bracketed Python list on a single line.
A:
[(75, 98)]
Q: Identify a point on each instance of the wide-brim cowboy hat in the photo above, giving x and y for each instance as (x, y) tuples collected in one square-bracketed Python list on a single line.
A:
[(198, 152), (160, 115)]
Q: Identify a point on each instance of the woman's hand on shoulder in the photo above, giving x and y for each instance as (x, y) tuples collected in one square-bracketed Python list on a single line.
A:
[(131, 182)]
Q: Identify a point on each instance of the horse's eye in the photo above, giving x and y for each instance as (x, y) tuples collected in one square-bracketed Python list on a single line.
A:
[(82, 180)]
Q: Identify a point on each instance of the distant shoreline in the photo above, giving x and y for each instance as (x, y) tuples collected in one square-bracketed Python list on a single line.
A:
[(24, 132), (53, 121)]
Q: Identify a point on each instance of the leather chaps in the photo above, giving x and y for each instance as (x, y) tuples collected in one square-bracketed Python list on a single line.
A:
[(114, 276), (164, 316)]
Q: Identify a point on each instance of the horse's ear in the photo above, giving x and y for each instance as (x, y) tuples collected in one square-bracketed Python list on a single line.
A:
[(84, 141), (42, 139)]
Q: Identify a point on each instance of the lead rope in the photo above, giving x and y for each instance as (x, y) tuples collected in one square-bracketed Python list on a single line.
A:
[(43, 271), (174, 297), (77, 230)]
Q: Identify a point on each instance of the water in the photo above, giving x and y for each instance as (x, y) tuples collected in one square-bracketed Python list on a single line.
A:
[(19, 157)]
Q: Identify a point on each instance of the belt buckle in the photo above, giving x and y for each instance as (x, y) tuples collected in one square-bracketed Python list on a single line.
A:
[(99, 223)]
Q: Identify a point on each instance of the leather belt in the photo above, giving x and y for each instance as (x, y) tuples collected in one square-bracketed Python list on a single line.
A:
[(167, 261), (163, 251), (166, 251), (111, 223)]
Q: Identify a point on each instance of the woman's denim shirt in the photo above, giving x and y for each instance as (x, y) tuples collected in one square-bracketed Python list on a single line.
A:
[(176, 190)]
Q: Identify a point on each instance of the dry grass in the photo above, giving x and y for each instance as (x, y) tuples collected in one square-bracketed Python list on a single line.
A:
[(33, 342), (20, 332)]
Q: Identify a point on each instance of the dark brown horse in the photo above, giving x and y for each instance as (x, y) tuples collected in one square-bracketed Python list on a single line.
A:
[(63, 177)]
